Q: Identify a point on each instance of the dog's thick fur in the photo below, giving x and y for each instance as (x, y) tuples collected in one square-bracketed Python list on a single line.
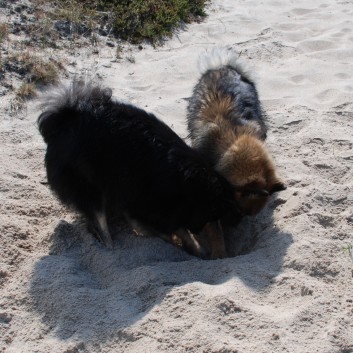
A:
[(226, 124), (105, 157)]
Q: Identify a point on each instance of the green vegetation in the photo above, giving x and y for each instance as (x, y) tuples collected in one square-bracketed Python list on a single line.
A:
[(132, 20), (151, 19), (348, 249)]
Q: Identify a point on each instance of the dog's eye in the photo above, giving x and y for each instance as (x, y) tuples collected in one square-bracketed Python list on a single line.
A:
[(255, 193), (245, 193)]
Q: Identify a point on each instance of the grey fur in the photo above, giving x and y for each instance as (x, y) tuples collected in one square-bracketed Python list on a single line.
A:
[(220, 84)]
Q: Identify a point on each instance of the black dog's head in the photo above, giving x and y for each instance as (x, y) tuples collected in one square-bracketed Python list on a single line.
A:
[(216, 194)]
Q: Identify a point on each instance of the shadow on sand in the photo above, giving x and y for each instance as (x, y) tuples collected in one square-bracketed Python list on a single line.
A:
[(84, 290)]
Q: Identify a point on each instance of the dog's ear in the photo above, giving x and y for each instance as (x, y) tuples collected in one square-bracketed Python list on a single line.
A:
[(213, 184), (277, 186)]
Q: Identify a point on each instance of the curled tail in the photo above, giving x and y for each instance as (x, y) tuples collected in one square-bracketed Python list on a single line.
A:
[(62, 104), (220, 57)]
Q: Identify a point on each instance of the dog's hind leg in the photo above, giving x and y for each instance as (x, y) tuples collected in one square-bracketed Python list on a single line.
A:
[(74, 188), (94, 207), (101, 225)]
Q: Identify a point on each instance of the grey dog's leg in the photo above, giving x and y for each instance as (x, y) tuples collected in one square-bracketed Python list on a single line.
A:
[(188, 240), (215, 238), (190, 243)]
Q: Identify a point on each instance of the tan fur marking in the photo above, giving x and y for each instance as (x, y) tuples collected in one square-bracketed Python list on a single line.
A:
[(242, 157), (246, 161), (215, 238)]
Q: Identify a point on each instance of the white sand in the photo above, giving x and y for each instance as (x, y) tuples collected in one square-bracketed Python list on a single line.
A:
[(62, 292)]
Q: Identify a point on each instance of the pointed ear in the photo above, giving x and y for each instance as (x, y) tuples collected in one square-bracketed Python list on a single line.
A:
[(277, 186)]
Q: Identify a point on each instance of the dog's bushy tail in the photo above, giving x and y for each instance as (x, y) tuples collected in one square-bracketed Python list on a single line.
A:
[(220, 57), (63, 103)]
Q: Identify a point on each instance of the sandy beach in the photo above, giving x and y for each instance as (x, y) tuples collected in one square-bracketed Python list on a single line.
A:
[(288, 285)]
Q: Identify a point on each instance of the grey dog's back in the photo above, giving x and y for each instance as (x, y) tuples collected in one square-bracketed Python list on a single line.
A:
[(225, 77)]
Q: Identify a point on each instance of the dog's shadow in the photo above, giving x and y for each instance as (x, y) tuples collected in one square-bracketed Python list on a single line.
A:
[(84, 290)]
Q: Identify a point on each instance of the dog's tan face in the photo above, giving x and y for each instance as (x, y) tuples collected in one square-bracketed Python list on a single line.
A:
[(253, 197), (249, 168)]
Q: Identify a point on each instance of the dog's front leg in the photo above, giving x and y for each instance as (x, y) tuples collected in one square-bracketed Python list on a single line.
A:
[(214, 233)]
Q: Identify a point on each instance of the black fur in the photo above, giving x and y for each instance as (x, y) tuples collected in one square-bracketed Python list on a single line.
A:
[(107, 156)]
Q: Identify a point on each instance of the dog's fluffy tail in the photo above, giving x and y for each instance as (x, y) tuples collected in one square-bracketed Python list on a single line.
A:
[(63, 103), (220, 57)]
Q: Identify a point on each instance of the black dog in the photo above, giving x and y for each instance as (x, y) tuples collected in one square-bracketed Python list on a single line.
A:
[(106, 157)]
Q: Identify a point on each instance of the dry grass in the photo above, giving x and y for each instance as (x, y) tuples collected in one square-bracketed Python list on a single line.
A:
[(26, 90), (4, 32), (33, 68), (34, 71)]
